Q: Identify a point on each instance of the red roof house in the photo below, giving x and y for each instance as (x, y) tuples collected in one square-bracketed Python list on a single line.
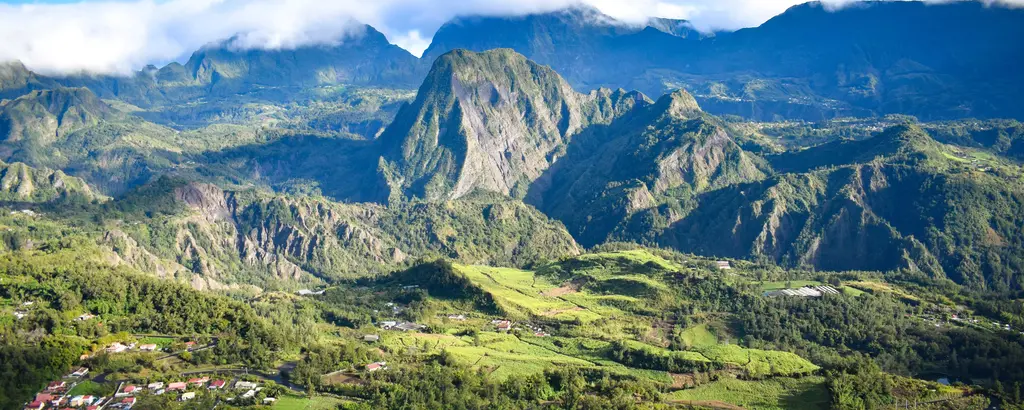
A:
[(217, 384), (176, 386), (57, 385), (36, 405)]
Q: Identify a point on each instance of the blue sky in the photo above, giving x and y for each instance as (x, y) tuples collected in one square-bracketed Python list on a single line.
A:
[(120, 36)]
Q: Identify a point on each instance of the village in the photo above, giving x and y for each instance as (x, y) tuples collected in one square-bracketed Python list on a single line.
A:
[(58, 394)]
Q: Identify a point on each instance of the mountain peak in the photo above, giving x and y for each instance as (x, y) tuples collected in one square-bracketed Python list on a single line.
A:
[(680, 104)]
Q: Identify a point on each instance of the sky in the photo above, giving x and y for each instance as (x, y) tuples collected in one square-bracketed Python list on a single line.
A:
[(121, 36)]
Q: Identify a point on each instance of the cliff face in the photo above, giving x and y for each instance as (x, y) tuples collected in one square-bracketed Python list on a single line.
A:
[(491, 121)]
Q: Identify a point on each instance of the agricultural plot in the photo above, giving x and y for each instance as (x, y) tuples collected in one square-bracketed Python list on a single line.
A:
[(758, 363), (288, 402), (523, 292), (632, 257), (699, 336), (777, 393), (499, 354)]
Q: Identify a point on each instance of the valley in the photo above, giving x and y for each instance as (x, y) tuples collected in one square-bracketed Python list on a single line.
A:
[(549, 210)]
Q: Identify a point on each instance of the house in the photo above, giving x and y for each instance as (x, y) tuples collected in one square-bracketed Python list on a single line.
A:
[(410, 287), (58, 401), (388, 324), (92, 408), (45, 397), (77, 401), (116, 347), (409, 326), (149, 347), (217, 384), (189, 345), (56, 386), (723, 265), (155, 386), (130, 401), (269, 400), (199, 381), (457, 317), (177, 386), (502, 325), (372, 367), (19, 314), (36, 405), (188, 396), (249, 394), (84, 317), (244, 385), (131, 389), (371, 338)]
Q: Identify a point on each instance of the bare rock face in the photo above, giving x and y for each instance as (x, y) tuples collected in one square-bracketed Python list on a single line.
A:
[(491, 121), (207, 199)]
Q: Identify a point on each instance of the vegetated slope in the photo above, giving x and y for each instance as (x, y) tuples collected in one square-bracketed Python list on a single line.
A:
[(73, 275), (72, 130), (22, 183), (658, 154), (493, 121), (250, 237), (895, 201)]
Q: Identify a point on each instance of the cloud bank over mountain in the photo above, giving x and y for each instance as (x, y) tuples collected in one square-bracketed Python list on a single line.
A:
[(122, 36)]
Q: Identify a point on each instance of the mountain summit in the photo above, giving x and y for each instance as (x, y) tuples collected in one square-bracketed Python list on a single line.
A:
[(492, 121)]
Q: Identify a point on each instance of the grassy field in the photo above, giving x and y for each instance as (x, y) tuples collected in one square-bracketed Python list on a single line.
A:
[(632, 257), (499, 354), (307, 403), (161, 342), (776, 393), (699, 336), (757, 362), (89, 387), (521, 294), (879, 287)]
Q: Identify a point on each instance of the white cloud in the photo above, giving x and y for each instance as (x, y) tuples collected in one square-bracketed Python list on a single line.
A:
[(121, 36)]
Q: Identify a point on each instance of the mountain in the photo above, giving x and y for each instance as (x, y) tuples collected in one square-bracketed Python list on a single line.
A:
[(492, 121), (73, 130), (364, 57), (226, 70), (590, 49), (811, 62), (16, 79), (660, 153), (217, 238), (22, 183), (904, 202)]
